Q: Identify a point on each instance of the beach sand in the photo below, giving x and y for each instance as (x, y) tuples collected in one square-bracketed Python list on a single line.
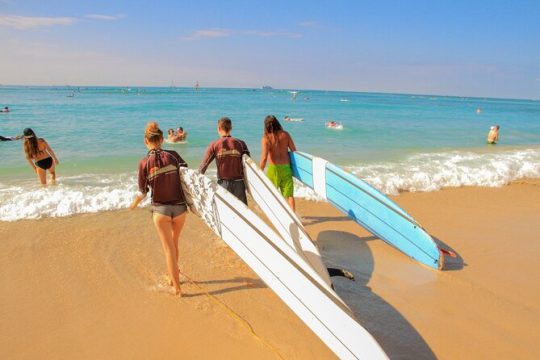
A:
[(93, 286)]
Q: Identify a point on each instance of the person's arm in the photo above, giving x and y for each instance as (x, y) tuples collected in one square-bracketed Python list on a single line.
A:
[(208, 157), (291, 145), (143, 186), (264, 155), (29, 159), (245, 149), (51, 152), (181, 162)]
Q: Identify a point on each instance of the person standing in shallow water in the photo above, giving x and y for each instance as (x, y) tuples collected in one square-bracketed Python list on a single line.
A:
[(493, 135), (158, 172), (40, 156), (276, 144), (228, 153)]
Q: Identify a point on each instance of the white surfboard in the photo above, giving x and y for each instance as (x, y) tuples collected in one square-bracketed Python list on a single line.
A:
[(274, 206), (280, 267)]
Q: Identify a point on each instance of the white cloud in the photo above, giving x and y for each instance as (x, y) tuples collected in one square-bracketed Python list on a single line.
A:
[(104, 17), (308, 23), (222, 33), (29, 22), (287, 34), (208, 33)]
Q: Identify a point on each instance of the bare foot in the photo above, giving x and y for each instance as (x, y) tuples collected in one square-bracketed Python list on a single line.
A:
[(177, 291)]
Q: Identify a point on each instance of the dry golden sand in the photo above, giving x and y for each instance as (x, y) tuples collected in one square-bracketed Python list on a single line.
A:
[(92, 286)]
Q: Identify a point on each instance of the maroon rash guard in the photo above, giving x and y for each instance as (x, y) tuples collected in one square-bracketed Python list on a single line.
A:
[(228, 153), (159, 171)]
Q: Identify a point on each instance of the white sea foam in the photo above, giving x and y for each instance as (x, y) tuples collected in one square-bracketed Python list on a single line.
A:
[(89, 193), (434, 171), (72, 195)]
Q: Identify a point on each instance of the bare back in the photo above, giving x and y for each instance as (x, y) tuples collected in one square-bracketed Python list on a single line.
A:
[(42, 150), (277, 146)]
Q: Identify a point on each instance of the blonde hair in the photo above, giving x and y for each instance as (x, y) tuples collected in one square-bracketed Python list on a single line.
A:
[(153, 133)]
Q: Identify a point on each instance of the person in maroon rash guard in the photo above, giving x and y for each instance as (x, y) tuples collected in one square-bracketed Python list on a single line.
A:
[(158, 172), (228, 153)]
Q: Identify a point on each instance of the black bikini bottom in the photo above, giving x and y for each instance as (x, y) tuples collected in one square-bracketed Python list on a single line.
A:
[(45, 164)]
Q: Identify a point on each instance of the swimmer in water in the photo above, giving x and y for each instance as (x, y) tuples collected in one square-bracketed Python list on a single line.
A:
[(171, 136), (493, 135), (5, 110), (181, 134), (40, 156)]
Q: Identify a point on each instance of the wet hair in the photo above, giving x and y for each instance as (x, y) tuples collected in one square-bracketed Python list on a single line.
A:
[(497, 127), (181, 128), (170, 131), (225, 124), (271, 128), (153, 133), (30, 145)]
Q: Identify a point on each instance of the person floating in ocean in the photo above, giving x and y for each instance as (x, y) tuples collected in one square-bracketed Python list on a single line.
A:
[(181, 134), (493, 135), (171, 136), (276, 144), (228, 153), (5, 109), (10, 138), (40, 156), (158, 171)]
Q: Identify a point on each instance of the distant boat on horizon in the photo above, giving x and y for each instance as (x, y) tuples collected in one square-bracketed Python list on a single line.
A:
[(267, 87)]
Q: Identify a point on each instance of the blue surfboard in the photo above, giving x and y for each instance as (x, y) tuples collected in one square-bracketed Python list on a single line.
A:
[(369, 207)]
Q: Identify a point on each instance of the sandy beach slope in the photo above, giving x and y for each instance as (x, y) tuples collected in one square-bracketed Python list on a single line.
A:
[(93, 286)]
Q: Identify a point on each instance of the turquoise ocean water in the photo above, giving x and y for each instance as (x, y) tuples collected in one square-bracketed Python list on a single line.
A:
[(397, 142)]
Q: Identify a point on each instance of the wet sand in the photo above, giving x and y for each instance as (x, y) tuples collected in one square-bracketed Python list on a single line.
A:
[(93, 286)]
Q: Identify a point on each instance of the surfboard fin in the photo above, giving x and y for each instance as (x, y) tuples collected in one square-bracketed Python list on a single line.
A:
[(448, 252), (341, 272)]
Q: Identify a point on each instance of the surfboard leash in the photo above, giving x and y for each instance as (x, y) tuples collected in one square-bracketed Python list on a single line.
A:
[(234, 315)]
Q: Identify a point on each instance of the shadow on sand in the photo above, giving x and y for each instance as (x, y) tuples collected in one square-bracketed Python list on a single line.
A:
[(312, 220), (450, 263), (244, 283), (394, 333)]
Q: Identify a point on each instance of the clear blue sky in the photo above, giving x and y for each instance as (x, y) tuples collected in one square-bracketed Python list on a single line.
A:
[(470, 48)]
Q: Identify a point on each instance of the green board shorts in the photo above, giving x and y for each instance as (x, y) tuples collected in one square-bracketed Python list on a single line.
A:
[(281, 177)]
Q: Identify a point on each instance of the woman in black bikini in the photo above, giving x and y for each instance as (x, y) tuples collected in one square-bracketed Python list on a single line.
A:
[(40, 156), (158, 172)]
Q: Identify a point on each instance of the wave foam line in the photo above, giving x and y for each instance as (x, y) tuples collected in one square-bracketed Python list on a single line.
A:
[(90, 193), (432, 172)]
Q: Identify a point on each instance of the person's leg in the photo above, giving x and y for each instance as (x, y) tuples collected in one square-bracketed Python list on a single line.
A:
[(292, 204), (272, 174), (177, 226), (164, 227), (52, 170), (240, 191), (287, 186), (42, 175)]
